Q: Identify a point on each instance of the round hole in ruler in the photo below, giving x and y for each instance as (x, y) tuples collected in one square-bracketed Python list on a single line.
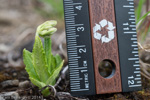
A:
[(107, 68)]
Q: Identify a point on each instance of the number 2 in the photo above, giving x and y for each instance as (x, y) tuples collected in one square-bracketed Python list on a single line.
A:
[(82, 50), (130, 82)]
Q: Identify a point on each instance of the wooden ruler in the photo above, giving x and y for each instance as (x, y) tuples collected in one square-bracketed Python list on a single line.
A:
[(101, 13), (102, 46)]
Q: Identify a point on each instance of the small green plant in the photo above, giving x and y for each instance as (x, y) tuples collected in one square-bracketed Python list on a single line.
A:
[(43, 68)]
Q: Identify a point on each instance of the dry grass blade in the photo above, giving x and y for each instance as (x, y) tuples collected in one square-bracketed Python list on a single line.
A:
[(145, 67), (145, 48)]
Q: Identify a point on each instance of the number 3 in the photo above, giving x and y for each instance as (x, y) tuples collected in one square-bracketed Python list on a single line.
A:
[(80, 29)]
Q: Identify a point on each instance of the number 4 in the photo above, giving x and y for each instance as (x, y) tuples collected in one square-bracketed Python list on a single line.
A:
[(79, 7)]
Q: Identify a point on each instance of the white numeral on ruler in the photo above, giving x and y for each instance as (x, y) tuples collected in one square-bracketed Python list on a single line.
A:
[(78, 7)]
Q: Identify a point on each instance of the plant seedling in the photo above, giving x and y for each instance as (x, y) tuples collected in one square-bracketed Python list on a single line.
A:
[(42, 66)]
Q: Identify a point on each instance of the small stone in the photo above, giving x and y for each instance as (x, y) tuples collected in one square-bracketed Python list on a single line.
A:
[(63, 95), (68, 96), (9, 96), (14, 74), (31, 92), (9, 83), (24, 84), (1, 98)]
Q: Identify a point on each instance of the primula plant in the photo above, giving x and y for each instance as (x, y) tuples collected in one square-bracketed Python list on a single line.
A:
[(42, 66)]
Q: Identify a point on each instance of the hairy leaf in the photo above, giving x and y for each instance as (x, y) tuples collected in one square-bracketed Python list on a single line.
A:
[(58, 60), (27, 58), (53, 62), (54, 74), (37, 83), (39, 60)]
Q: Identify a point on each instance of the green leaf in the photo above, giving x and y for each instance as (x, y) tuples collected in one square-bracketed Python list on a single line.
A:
[(39, 60), (37, 83), (27, 58), (55, 74), (58, 59), (46, 92), (47, 48), (139, 9), (143, 17), (53, 62)]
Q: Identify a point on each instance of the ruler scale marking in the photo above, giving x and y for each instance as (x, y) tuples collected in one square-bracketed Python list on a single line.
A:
[(98, 30), (128, 48), (79, 51)]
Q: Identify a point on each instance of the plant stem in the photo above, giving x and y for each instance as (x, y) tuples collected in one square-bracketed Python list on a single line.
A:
[(47, 48)]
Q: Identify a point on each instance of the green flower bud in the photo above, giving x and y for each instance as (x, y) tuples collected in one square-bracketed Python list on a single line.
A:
[(47, 33), (46, 29)]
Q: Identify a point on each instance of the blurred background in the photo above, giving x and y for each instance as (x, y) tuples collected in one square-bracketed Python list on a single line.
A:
[(18, 22)]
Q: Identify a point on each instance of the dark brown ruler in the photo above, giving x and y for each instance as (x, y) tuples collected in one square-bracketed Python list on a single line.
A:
[(105, 44)]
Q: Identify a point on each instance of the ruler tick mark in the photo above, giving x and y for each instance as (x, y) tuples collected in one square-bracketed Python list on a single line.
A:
[(128, 6), (137, 72), (135, 85), (133, 58), (137, 78), (137, 68), (137, 65)]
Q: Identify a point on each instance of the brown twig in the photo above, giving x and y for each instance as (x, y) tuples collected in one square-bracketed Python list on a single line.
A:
[(61, 76), (142, 48)]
